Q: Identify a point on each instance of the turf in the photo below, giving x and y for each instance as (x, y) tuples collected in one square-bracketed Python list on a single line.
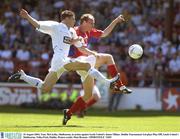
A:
[(38, 120)]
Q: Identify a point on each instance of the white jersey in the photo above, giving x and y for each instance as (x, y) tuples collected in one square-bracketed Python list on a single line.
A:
[(60, 34), (61, 37)]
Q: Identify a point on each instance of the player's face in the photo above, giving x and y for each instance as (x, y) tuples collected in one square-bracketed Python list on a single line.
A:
[(89, 24), (72, 21)]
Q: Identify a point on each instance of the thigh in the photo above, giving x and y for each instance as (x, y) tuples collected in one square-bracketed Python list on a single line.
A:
[(86, 59), (73, 66), (88, 85), (104, 59), (50, 80), (100, 60), (82, 74)]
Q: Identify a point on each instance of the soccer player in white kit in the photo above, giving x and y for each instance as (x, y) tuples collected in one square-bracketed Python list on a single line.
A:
[(62, 35)]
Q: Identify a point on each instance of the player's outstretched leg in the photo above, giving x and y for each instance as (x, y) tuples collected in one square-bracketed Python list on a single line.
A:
[(20, 75), (112, 70)]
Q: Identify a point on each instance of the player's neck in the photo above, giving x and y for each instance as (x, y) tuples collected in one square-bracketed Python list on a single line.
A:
[(64, 22)]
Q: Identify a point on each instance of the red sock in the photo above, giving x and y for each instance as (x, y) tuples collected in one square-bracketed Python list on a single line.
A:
[(90, 102), (112, 70), (78, 105)]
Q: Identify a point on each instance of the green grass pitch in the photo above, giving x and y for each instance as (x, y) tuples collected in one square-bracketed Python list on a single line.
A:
[(37, 120)]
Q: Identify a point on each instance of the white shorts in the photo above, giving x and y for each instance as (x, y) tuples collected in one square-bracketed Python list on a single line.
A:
[(57, 64), (91, 59)]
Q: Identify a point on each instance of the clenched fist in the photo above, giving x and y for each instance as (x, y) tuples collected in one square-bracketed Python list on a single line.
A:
[(23, 13), (120, 18)]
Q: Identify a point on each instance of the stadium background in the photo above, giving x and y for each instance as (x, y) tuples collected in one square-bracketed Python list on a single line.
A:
[(153, 24)]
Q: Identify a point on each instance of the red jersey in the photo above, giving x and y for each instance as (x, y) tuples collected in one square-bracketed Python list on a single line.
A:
[(74, 52)]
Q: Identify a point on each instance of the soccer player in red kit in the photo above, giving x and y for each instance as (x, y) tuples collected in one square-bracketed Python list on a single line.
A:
[(86, 30)]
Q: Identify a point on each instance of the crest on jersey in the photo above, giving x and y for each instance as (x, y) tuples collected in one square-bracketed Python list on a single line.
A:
[(67, 40)]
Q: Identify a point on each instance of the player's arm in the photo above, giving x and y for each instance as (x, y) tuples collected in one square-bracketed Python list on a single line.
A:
[(47, 27), (111, 26), (86, 51), (24, 14), (78, 42)]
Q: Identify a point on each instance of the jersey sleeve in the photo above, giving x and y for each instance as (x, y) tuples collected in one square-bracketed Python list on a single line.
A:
[(75, 36), (73, 33), (96, 33), (47, 27)]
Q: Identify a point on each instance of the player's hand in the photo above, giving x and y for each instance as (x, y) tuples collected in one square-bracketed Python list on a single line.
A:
[(24, 13), (120, 18), (73, 41)]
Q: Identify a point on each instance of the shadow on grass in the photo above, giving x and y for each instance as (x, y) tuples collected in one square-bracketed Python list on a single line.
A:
[(91, 112), (49, 126)]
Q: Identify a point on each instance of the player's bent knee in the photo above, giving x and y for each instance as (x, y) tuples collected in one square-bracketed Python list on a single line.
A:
[(88, 66), (86, 96), (109, 56), (45, 89)]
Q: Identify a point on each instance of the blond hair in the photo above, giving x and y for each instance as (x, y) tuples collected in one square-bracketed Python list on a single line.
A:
[(86, 17)]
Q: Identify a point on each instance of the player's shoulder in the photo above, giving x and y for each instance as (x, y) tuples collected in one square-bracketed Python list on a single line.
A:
[(48, 23), (72, 30), (63, 28), (95, 30), (52, 22)]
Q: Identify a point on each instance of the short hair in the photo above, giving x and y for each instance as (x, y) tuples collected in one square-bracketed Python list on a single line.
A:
[(67, 13), (86, 17)]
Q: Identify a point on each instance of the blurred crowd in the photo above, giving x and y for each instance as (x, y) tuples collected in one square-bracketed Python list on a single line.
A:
[(21, 46)]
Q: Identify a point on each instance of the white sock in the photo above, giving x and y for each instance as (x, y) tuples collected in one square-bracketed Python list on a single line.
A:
[(98, 76), (35, 82), (114, 79)]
